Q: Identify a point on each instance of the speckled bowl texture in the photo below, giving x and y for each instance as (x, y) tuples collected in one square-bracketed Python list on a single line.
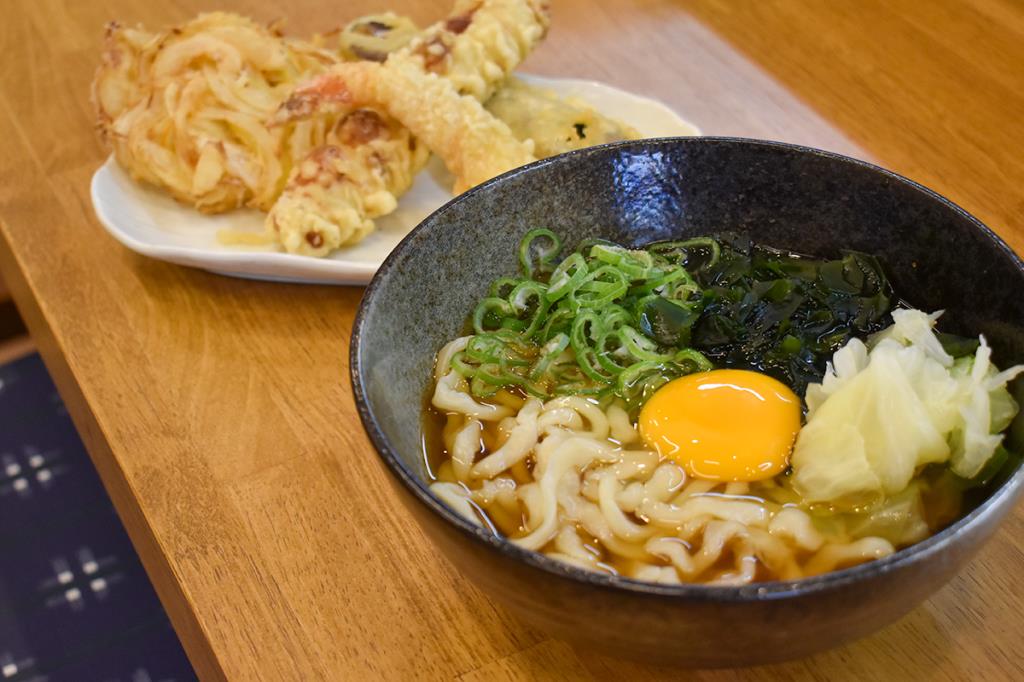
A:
[(806, 200)]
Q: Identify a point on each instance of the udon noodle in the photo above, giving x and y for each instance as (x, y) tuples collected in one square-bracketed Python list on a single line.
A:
[(572, 480)]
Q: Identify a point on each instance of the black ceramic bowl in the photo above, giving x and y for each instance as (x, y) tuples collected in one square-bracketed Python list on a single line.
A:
[(938, 256)]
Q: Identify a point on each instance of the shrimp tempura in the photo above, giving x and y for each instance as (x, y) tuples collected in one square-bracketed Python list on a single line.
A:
[(433, 87), (474, 145)]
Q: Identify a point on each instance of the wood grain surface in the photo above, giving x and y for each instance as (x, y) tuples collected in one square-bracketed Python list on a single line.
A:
[(218, 410)]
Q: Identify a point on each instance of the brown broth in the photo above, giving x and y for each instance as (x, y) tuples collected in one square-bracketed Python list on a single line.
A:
[(432, 426)]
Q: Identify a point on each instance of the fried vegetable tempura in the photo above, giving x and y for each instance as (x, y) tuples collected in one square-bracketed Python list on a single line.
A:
[(375, 36), (186, 109), (555, 124)]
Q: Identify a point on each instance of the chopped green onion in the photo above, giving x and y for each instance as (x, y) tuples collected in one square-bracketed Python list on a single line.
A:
[(534, 256)]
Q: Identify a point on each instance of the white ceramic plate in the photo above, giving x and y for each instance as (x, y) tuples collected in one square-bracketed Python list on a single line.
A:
[(151, 223)]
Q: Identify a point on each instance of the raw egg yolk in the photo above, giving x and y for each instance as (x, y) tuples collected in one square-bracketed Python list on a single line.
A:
[(723, 425)]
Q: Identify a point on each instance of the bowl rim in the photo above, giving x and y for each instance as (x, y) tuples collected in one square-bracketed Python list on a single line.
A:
[(753, 592)]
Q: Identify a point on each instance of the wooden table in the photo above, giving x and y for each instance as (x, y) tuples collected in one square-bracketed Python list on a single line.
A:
[(218, 410)]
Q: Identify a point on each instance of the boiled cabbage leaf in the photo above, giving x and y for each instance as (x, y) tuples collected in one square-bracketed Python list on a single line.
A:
[(886, 409)]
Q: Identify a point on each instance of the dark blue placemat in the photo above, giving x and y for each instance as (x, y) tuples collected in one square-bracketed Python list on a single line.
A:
[(75, 603)]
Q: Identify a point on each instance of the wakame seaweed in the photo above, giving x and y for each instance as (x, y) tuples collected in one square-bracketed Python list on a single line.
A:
[(784, 313), (636, 318)]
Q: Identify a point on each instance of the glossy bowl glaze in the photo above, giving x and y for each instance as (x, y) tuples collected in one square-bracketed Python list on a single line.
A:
[(805, 200)]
